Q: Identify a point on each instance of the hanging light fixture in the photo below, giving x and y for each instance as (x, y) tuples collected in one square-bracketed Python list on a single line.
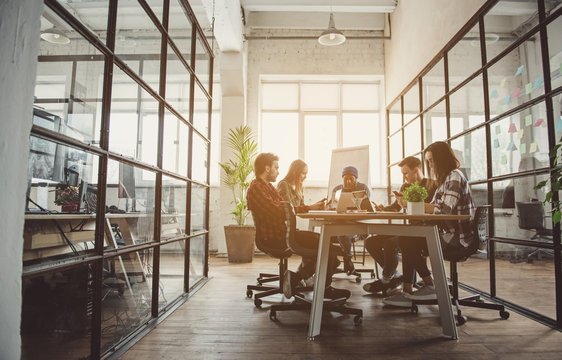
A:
[(55, 36), (332, 36)]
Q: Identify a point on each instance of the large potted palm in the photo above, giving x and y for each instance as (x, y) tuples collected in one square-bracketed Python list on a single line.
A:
[(236, 176)]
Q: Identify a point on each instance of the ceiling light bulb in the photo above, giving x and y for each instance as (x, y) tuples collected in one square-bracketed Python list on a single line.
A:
[(332, 36), (54, 36)]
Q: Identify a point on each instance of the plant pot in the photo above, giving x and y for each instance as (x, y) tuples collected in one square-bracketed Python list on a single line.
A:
[(69, 207), (416, 208), (240, 242)]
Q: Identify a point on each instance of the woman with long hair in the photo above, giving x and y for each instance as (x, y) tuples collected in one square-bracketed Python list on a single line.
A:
[(290, 187), (452, 197)]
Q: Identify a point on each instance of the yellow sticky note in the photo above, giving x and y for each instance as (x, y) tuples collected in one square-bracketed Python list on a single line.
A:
[(502, 84), (521, 133), (533, 148)]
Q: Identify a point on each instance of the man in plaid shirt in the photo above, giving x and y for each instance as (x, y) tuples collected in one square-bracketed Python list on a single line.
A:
[(264, 201)]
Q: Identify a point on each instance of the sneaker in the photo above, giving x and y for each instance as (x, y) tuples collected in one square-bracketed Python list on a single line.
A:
[(374, 287), (400, 300), (348, 266), (290, 283), (426, 292), (334, 293)]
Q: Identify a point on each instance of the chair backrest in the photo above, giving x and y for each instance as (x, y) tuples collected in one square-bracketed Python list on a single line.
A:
[(531, 215), (263, 245), (480, 228), (291, 223)]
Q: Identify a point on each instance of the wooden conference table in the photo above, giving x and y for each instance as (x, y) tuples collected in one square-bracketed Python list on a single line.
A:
[(334, 224)]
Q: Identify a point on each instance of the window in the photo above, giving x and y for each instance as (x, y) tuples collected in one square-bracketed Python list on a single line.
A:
[(306, 119)]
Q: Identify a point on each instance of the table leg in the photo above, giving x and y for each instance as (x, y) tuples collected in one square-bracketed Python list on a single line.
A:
[(441, 285), (319, 284)]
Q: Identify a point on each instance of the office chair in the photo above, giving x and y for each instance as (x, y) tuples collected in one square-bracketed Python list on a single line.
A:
[(356, 271), (531, 217), (300, 302), (480, 229)]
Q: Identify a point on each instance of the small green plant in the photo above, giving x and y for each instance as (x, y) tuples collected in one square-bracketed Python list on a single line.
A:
[(555, 183), (237, 171), (415, 193)]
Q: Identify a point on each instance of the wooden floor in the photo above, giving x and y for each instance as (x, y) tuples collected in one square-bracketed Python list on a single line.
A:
[(219, 322)]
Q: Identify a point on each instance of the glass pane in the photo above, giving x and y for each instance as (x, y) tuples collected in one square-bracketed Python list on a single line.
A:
[(127, 297), (133, 120), (520, 212), (319, 140), (196, 259), (280, 136), (198, 212), (174, 201), (55, 316), (319, 96), (479, 194), (435, 124), (396, 177), (201, 111), (93, 15), (176, 144), (514, 273), (202, 62), (137, 39), (200, 164), (363, 129), (516, 78), (412, 138), (551, 6), (467, 106), (509, 17), (474, 272), (67, 85), (396, 148), (130, 202), (433, 84), (554, 35), (61, 179), (177, 85), (520, 141), (172, 271), (557, 114), (280, 96), (471, 152), (157, 7), (412, 103), (395, 117), (464, 58), (179, 28), (360, 97)]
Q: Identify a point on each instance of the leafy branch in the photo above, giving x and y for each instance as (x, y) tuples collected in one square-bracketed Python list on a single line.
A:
[(415, 193), (555, 181)]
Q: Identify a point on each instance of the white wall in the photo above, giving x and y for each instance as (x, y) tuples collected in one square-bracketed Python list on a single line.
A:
[(19, 44), (420, 28)]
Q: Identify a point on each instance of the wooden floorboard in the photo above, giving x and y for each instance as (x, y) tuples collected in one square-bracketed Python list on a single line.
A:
[(219, 322)]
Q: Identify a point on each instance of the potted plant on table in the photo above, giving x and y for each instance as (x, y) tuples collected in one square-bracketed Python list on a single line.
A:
[(236, 176), (415, 195), (67, 197)]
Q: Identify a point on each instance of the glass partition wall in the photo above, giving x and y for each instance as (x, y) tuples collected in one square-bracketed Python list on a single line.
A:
[(116, 225), (494, 94)]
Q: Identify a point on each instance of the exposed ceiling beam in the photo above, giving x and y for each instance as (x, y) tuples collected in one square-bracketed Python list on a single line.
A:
[(336, 6)]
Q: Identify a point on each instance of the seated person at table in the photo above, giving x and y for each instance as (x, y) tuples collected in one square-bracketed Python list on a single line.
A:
[(384, 248), (265, 204), (452, 197), (290, 187), (349, 176)]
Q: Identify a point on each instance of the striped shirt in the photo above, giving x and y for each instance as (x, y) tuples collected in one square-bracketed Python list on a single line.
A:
[(453, 197)]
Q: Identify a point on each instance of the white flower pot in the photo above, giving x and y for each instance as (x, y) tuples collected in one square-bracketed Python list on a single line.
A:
[(416, 208)]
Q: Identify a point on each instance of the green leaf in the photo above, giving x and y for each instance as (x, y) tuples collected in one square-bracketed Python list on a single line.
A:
[(556, 217), (540, 185)]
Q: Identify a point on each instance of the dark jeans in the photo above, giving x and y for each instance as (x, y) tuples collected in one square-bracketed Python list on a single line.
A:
[(310, 240), (346, 243), (384, 249)]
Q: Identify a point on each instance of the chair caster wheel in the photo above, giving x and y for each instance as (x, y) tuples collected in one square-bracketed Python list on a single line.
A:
[(504, 314), (258, 303), (358, 320), (461, 319), (358, 279), (273, 316), (249, 293), (414, 309)]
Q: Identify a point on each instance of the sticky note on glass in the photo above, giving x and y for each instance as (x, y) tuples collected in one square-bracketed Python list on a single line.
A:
[(496, 143), (520, 133), (511, 146), (516, 92), (533, 148), (528, 120), (494, 94), (539, 122), (507, 100), (499, 129), (528, 88), (523, 148), (502, 83), (499, 109), (559, 125), (504, 159), (520, 70), (512, 128), (538, 83)]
